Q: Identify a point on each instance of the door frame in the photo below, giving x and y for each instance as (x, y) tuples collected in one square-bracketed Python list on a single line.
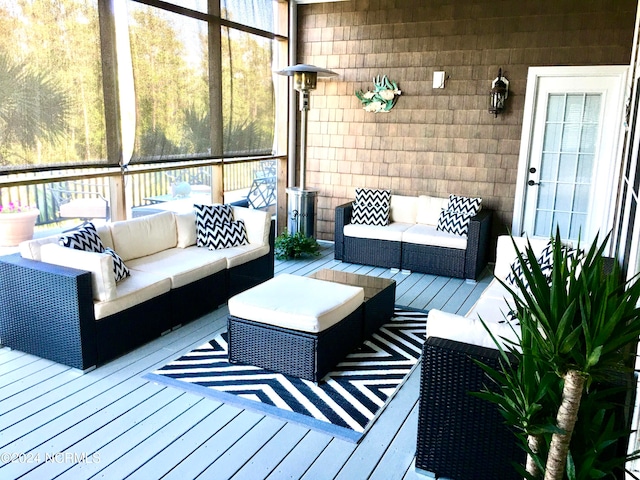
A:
[(533, 80)]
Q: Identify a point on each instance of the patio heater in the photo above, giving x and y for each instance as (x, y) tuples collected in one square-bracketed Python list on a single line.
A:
[(301, 204)]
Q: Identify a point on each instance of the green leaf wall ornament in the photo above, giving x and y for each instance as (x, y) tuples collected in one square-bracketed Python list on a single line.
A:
[(382, 98)]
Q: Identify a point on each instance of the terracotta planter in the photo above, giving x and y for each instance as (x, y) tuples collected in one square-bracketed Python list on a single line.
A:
[(17, 227)]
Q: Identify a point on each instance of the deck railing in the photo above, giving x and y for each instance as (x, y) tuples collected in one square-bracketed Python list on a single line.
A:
[(237, 175)]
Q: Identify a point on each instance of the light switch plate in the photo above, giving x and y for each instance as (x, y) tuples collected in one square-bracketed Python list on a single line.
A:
[(438, 79)]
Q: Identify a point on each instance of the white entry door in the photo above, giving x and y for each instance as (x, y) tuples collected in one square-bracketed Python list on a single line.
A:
[(570, 152)]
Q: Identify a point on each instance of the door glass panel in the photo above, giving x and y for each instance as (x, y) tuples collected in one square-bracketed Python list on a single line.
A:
[(555, 108), (585, 168), (592, 108), (574, 107), (588, 139), (566, 168), (552, 136)]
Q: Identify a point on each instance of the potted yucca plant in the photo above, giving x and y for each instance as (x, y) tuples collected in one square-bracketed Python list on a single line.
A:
[(579, 326)]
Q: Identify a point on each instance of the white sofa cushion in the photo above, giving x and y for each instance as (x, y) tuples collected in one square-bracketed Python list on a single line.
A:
[(103, 282), (470, 330), (139, 287), (239, 255), (297, 303), (186, 229), (506, 253), (403, 209), (181, 265), (31, 248), (144, 236), (392, 232), (257, 224), (428, 235), (429, 209)]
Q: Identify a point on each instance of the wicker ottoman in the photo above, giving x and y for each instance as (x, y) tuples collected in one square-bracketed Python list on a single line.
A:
[(295, 325)]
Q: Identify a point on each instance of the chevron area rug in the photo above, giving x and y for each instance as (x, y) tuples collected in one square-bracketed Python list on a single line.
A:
[(344, 405)]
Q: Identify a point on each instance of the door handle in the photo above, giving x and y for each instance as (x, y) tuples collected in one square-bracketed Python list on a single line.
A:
[(532, 183)]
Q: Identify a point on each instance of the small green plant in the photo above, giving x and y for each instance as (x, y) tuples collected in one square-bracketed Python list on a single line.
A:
[(295, 246)]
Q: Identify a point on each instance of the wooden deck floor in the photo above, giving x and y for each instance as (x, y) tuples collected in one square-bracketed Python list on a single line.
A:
[(110, 423)]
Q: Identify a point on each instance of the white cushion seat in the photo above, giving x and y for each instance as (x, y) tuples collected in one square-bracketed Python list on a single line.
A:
[(392, 232), (420, 234), (297, 303), (181, 266)]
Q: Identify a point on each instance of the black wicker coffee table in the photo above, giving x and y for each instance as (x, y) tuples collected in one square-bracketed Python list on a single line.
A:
[(379, 295)]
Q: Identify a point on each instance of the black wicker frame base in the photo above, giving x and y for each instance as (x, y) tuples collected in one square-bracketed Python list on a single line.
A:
[(300, 354), (461, 436)]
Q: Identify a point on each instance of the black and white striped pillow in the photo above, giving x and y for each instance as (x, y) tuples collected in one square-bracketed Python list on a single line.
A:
[(227, 235), (373, 196), (370, 214), (453, 222), (466, 205), (207, 216), (84, 238), (545, 260), (120, 270)]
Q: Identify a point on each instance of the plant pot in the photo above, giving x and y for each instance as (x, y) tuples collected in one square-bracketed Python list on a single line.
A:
[(17, 227)]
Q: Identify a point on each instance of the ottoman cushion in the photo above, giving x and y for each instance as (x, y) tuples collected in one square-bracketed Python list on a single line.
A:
[(297, 303)]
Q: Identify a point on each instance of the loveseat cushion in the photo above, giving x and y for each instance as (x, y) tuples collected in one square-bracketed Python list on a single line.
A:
[(403, 209), (239, 255), (392, 232), (470, 330), (181, 265), (429, 235), (506, 253), (429, 209), (186, 228), (144, 236)]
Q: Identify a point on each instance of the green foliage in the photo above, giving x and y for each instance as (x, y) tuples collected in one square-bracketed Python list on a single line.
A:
[(295, 246), (582, 319)]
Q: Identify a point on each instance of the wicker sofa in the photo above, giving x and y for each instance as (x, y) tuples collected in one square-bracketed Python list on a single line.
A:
[(63, 304), (461, 436), (411, 240)]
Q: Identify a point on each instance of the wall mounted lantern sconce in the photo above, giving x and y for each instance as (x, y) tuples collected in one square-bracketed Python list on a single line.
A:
[(302, 201), (499, 93)]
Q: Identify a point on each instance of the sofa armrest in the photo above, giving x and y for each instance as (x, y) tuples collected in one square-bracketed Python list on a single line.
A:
[(343, 217), (47, 310), (478, 237), (460, 435)]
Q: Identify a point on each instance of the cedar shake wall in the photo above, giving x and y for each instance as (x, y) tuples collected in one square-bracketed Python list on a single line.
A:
[(438, 141)]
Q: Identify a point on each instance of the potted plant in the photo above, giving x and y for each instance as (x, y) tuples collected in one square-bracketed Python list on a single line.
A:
[(578, 327), (289, 246), (17, 223)]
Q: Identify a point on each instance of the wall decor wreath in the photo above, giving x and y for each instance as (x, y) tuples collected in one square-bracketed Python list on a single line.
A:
[(383, 97)]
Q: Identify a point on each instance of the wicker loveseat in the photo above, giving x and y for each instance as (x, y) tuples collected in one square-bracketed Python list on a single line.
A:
[(63, 304), (411, 240)]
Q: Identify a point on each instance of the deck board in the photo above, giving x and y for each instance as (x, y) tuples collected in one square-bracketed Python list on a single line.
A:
[(142, 430)]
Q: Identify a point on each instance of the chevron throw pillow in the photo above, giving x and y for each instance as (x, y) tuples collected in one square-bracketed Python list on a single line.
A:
[(227, 235), (120, 270), (370, 214), (84, 238), (466, 205), (545, 260), (453, 222), (206, 217), (373, 196)]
